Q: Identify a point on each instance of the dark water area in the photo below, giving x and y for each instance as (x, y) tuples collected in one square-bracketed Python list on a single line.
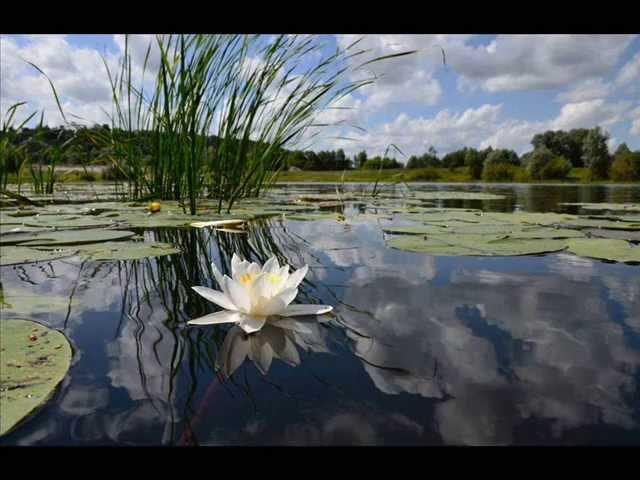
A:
[(420, 350)]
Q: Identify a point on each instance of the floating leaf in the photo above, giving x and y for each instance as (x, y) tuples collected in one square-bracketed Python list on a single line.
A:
[(34, 361), (67, 221), (455, 195), (70, 237), (315, 216), (604, 249), (605, 224), (160, 219), (612, 207), (502, 230), (9, 229), (615, 234), (15, 255), (482, 245), (126, 250), (531, 218)]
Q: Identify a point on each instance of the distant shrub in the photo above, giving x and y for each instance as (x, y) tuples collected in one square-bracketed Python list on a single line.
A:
[(521, 176), (625, 167), (556, 169), (499, 172), (537, 160), (595, 153), (587, 176), (474, 160), (502, 156), (542, 164), (387, 163), (422, 174)]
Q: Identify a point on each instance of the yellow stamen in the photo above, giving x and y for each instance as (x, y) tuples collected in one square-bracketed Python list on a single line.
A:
[(247, 279)]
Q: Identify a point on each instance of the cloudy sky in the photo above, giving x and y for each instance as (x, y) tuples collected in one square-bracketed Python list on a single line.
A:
[(496, 90)]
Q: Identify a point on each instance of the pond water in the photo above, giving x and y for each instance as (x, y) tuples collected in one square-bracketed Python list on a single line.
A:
[(420, 349)]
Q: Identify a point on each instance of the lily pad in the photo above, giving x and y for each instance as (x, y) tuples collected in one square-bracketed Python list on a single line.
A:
[(531, 218), (472, 245), (315, 216), (455, 195), (604, 249), (126, 250), (70, 237), (141, 219), (500, 230), (67, 221), (12, 229), (16, 255), (582, 222), (35, 359), (612, 207), (615, 234)]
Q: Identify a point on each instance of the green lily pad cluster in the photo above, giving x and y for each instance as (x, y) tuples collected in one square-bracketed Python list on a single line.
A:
[(34, 360), (103, 230), (612, 207), (458, 232)]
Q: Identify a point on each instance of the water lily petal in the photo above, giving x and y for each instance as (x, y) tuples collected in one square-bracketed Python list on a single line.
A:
[(237, 294), (251, 323), (271, 306), (284, 274), (261, 353), (254, 269), (287, 296), (262, 286), (225, 316), (235, 349), (216, 274), (238, 266), (216, 297), (272, 265), (300, 309), (277, 303), (296, 277)]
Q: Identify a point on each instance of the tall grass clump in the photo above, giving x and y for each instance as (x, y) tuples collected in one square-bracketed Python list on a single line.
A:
[(42, 160), (218, 111), (12, 155)]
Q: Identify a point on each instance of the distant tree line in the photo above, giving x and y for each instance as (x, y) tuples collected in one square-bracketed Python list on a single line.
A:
[(554, 154)]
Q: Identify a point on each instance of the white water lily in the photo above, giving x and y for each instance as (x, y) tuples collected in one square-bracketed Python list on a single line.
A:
[(254, 293)]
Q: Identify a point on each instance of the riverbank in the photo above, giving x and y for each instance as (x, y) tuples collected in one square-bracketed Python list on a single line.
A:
[(75, 174)]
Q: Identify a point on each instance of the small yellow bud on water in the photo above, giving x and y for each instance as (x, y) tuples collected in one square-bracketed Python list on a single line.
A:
[(154, 207)]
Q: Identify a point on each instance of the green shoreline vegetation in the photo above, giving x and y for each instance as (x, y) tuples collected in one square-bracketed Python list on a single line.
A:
[(428, 175)]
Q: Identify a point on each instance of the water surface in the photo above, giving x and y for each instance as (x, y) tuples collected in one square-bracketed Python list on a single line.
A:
[(422, 350)]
